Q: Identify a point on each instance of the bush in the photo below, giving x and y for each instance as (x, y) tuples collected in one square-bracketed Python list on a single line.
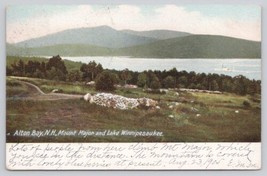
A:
[(169, 82), (56, 74), (155, 84), (13, 84), (105, 81), (246, 103)]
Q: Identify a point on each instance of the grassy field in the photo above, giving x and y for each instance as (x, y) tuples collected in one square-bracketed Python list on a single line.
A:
[(189, 117), (48, 85)]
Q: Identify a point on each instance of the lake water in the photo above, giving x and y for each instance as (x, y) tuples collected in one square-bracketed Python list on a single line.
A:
[(251, 68)]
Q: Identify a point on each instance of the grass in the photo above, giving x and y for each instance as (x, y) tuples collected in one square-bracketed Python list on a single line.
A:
[(14, 88), (18, 89), (78, 115), (189, 117), (48, 85)]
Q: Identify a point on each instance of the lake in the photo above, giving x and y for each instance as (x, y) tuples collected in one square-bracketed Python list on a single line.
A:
[(251, 68)]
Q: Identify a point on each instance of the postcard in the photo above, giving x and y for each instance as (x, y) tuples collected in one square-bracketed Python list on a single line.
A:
[(133, 87)]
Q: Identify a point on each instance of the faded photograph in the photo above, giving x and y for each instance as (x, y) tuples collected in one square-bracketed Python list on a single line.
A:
[(133, 73)]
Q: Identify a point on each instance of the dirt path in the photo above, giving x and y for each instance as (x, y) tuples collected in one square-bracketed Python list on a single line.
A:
[(40, 95), (33, 86)]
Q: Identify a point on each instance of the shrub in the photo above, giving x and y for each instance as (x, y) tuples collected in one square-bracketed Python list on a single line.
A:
[(246, 103), (169, 82), (13, 84), (155, 84), (105, 81)]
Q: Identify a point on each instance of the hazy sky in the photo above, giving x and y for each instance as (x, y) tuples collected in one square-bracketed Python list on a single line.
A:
[(240, 21)]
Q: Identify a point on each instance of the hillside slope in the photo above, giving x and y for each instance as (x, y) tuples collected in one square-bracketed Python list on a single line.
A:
[(102, 36), (193, 46), (158, 34), (196, 46)]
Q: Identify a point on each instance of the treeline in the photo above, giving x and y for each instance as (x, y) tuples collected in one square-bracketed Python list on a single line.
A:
[(55, 69)]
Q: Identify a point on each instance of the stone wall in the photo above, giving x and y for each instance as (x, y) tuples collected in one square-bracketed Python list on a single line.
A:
[(118, 101)]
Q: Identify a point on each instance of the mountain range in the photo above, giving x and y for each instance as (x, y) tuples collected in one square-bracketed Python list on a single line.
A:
[(106, 41)]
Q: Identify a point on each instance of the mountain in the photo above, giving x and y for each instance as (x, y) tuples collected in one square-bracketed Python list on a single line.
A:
[(102, 36), (158, 34), (193, 46), (105, 41), (196, 46)]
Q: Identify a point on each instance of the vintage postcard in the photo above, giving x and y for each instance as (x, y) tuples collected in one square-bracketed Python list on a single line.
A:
[(133, 87)]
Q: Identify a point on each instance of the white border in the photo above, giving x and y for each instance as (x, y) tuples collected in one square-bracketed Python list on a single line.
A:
[(4, 3), (133, 156)]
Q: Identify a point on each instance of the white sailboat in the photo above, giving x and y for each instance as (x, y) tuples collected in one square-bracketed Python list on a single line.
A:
[(224, 69)]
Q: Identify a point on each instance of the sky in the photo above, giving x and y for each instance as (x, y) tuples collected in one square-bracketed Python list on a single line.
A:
[(32, 21)]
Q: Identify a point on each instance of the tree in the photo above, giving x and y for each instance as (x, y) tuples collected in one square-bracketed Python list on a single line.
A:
[(182, 81), (21, 67), (30, 68), (155, 84), (240, 85), (91, 70), (18, 68), (57, 63), (42, 67), (152, 80), (9, 71), (56, 68), (134, 78), (169, 82), (55, 74), (126, 75), (200, 87), (74, 75), (192, 86), (85, 72), (38, 74), (105, 81), (214, 85), (173, 72), (258, 86), (142, 80)]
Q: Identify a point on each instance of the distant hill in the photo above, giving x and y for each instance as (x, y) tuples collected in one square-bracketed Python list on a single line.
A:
[(158, 34), (62, 50), (196, 46), (13, 59), (102, 36), (105, 41)]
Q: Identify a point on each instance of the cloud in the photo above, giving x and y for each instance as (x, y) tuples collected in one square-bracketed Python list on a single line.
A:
[(169, 17), (37, 26), (177, 18)]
